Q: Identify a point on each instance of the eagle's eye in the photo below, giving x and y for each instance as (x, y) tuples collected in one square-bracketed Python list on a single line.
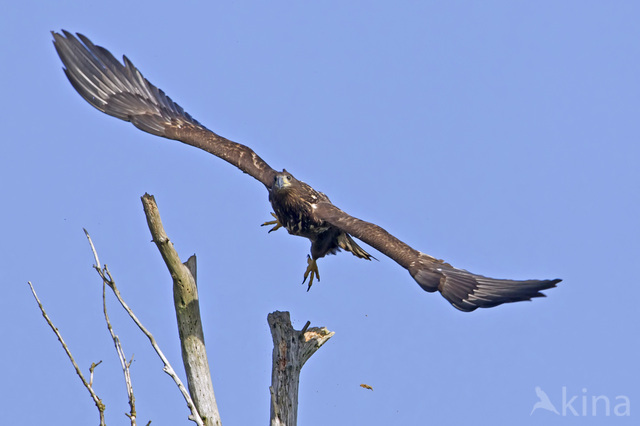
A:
[(288, 177)]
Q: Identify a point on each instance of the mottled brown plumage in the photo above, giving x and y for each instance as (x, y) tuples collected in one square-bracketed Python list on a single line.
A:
[(295, 203), (121, 91)]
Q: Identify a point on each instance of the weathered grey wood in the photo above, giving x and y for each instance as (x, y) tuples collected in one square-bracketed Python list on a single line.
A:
[(187, 306), (291, 349)]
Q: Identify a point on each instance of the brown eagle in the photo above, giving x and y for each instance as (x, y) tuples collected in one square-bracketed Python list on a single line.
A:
[(120, 90)]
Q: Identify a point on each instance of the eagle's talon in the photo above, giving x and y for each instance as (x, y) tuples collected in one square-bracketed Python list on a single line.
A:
[(276, 222), (311, 272)]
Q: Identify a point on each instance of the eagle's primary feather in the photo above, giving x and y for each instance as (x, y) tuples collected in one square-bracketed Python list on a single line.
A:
[(121, 91)]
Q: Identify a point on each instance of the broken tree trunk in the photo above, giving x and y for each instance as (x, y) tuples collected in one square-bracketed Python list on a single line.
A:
[(291, 349)]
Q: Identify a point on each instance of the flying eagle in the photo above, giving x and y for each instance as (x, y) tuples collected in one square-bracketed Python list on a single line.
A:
[(121, 91)]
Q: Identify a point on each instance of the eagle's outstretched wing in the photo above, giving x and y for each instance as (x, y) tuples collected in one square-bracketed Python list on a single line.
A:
[(121, 91), (464, 290)]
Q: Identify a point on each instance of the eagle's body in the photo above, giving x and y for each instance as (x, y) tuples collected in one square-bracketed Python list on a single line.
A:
[(295, 204), (121, 91)]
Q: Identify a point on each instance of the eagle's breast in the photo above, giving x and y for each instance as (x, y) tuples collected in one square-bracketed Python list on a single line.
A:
[(294, 208)]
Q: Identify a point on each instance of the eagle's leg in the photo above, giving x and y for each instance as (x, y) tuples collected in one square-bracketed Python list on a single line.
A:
[(276, 222), (311, 272)]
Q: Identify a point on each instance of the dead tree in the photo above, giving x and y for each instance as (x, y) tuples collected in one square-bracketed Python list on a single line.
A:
[(291, 348)]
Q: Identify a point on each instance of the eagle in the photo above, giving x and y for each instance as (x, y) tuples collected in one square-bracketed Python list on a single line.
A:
[(120, 90)]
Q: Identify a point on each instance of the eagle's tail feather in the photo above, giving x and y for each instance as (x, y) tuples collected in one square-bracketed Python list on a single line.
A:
[(345, 242)]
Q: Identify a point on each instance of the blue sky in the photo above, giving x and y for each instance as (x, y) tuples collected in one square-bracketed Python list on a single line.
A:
[(500, 136)]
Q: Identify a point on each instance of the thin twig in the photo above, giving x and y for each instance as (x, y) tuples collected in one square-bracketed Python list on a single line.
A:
[(91, 369), (109, 281), (122, 358), (304, 330), (96, 399)]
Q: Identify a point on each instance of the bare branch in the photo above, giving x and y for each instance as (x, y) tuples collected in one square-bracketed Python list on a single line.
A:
[(304, 329), (123, 360), (187, 306), (91, 369), (99, 404), (107, 279)]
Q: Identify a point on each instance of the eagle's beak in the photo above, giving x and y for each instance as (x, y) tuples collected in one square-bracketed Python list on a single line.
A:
[(282, 182)]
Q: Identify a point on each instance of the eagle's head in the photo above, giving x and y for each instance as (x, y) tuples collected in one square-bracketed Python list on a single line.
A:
[(287, 190), (283, 180)]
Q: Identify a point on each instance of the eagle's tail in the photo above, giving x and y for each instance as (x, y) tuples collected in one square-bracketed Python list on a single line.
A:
[(467, 291), (345, 242), (115, 89)]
